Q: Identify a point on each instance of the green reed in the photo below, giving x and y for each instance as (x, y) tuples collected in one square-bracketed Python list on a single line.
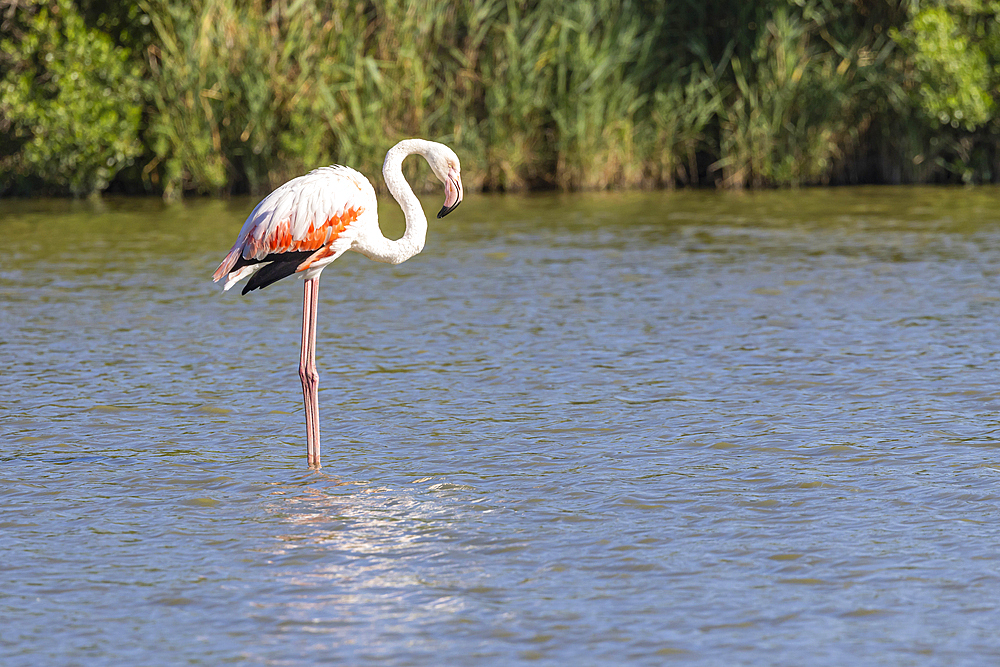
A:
[(240, 95)]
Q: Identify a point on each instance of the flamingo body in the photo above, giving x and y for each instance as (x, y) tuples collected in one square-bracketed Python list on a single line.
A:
[(310, 221), (304, 225)]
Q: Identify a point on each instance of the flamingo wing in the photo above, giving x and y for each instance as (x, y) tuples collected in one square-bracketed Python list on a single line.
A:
[(305, 224)]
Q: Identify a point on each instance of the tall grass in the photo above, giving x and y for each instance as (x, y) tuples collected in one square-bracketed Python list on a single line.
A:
[(788, 109), (258, 91), (234, 87), (546, 93), (571, 94)]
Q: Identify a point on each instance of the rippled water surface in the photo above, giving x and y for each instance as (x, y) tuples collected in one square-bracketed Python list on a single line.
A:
[(692, 428)]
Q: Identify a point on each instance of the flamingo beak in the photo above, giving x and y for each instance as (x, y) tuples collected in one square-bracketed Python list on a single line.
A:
[(452, 193)]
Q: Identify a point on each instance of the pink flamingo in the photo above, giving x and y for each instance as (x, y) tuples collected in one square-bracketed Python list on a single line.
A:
[(310, 221)]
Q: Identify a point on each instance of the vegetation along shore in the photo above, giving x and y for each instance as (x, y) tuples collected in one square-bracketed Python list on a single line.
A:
[(179, 97)]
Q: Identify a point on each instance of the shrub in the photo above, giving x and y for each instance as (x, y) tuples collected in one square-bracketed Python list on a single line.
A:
[(69, 101)]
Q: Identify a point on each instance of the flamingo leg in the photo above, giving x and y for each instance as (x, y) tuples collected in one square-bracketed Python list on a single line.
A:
[(312, 369), (307, 369)]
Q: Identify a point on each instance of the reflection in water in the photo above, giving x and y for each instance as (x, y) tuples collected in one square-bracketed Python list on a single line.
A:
[(731, 428)]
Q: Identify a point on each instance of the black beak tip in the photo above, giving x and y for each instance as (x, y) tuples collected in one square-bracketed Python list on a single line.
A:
[(445, 210)]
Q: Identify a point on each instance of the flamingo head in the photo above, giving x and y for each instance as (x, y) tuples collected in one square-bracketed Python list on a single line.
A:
[(444, 163)]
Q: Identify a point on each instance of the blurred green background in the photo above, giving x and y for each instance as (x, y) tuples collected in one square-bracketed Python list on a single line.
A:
[(236, 96)]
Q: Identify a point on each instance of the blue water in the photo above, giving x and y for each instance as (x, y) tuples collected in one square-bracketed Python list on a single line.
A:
[(690, 428)]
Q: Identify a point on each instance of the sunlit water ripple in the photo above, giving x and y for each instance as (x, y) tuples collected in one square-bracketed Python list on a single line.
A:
[(630, 429)]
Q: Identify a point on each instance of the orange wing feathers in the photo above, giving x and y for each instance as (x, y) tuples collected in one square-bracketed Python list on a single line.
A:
[(227, 264), (322, 239), (288, 220), (279, 238)]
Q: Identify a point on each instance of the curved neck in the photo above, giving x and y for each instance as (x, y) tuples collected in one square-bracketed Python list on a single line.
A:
[(412, 242)]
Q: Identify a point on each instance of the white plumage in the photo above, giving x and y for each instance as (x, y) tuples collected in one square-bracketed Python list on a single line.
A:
[(310, 221)]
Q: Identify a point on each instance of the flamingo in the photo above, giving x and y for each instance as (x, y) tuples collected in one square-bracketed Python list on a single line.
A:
[(310, 221)]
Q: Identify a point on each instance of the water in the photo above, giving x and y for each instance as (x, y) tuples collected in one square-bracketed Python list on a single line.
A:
[(710, 429)]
